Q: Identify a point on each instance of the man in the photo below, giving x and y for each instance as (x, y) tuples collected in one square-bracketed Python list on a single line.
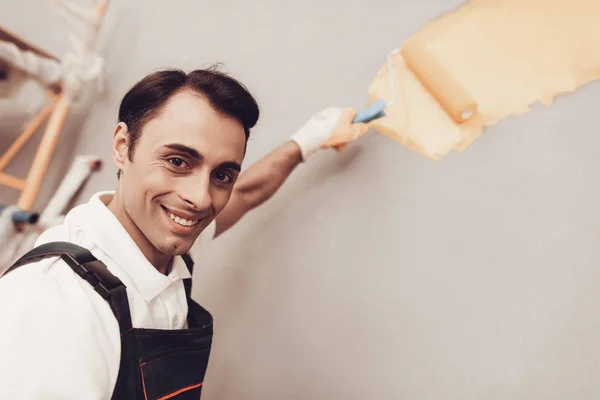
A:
[(125, 327)]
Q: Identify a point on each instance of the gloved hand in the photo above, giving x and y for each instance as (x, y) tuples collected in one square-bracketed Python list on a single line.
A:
[(332, 127)]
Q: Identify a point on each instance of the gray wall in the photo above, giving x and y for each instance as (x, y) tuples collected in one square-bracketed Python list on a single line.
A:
[(375, 273)]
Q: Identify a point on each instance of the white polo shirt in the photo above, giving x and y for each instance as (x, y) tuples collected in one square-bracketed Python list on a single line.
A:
[(58, 338)]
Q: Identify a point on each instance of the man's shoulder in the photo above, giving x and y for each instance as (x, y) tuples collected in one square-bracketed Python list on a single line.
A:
[(49, 273), (48, 311), (51, 281), (51, 302), (50, 286)]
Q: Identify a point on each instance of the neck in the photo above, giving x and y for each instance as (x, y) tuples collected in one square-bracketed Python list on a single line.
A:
[(159, 260)]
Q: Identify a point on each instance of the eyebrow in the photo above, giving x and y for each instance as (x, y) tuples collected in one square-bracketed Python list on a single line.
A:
[(231, 165), (197, 156), (184, 149)]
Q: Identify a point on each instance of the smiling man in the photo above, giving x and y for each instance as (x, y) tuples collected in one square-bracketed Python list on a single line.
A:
[(101, 307), (179, 174)]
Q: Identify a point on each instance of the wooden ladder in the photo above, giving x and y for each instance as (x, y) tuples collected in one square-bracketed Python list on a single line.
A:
[(55, 112)]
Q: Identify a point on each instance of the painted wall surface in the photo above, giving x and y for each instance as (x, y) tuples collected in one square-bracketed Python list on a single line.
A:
[(374, 273)]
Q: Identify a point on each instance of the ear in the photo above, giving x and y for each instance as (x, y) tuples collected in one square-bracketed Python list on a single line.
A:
[(120, 144)]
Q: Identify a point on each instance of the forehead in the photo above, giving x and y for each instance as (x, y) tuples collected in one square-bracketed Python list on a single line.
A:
[(188, 119)]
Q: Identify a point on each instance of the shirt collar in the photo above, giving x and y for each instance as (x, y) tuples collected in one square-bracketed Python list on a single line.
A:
[(105, 230)]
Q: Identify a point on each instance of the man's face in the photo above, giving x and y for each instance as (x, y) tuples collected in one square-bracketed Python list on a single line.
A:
[(182, 173)]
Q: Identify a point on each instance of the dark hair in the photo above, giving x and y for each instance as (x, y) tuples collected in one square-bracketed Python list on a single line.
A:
[(146, 98)]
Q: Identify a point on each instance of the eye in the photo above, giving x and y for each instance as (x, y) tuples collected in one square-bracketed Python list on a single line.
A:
[(176, 162), (223, 177)]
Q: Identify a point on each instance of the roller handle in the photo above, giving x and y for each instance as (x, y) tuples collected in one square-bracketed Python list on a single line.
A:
[(23, 216), (373, 111)]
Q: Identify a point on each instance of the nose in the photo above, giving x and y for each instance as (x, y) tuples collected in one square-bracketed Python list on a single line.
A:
[(196, 194)]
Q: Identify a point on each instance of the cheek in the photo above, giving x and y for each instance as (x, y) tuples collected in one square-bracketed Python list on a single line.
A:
[(158, 181), (144, 183)]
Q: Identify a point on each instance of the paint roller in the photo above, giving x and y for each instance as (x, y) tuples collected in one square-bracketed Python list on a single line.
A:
[(452, 97)]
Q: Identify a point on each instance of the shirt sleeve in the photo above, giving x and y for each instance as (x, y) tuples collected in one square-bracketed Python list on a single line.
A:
[(59, 339)]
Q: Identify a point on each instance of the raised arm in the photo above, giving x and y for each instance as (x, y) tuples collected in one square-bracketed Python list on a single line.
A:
[(259, 183), (331, 127)]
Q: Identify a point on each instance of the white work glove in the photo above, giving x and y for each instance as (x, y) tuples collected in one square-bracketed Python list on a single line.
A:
[(331, 127)]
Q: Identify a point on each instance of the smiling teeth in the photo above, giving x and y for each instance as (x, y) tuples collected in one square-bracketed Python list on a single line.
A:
[(181, 221)]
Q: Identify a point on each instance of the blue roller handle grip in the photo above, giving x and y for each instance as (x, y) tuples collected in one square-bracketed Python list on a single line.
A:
[(373, 111), (22, 216)]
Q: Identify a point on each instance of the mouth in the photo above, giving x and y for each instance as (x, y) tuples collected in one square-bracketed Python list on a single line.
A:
[(181, 224)]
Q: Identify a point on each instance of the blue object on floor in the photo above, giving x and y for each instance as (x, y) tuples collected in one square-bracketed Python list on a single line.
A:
[(373, 111), (21, 216)]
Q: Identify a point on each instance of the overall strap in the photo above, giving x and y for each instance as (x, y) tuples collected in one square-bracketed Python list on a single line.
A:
[(187, 283), (89, 268)]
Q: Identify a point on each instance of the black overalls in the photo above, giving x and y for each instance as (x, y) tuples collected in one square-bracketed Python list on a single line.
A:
[(155, 363)]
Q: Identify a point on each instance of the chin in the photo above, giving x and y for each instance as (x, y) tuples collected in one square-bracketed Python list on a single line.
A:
[(174, 247)]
